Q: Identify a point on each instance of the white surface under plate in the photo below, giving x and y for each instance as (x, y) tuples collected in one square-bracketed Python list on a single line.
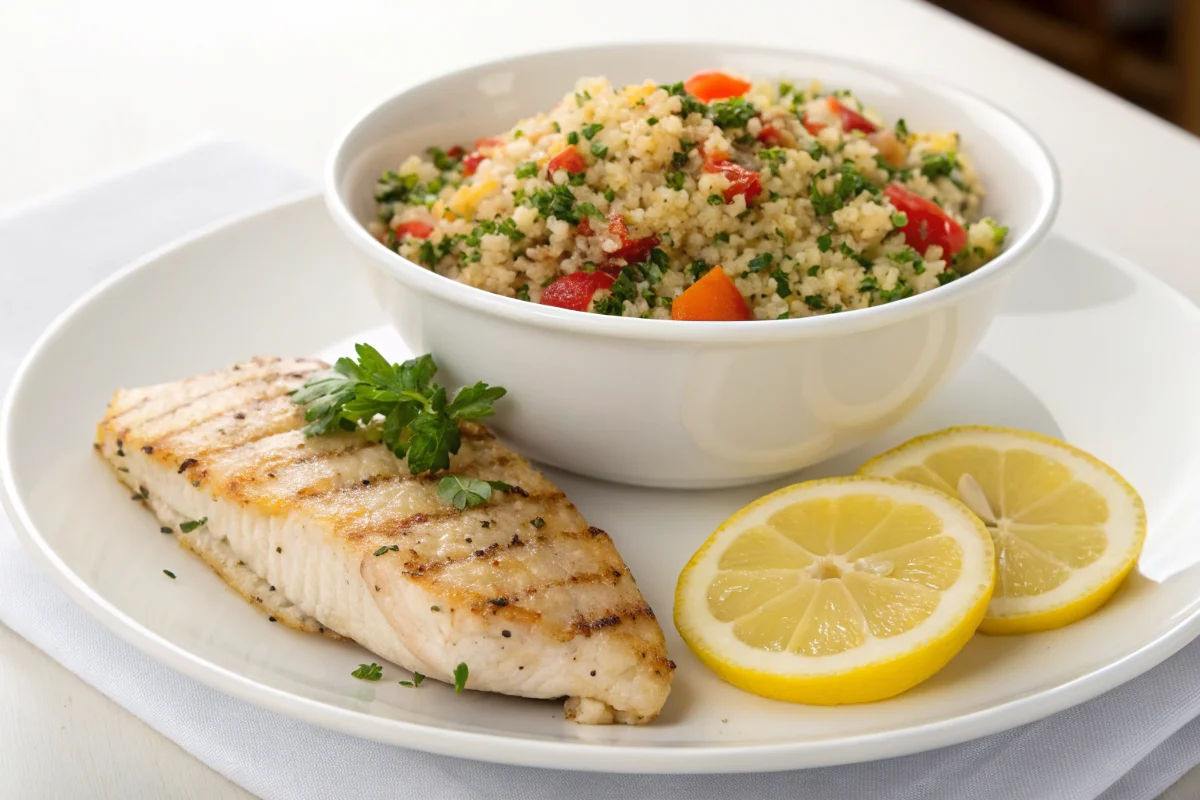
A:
[(1088, 348)]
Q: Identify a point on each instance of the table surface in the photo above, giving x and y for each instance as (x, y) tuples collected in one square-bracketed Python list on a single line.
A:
[(93, 88)]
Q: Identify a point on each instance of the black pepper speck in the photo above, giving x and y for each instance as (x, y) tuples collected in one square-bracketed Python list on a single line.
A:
[(506, 634)]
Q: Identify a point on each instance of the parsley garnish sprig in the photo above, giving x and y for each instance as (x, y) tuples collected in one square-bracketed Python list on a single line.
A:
[(420, 421)]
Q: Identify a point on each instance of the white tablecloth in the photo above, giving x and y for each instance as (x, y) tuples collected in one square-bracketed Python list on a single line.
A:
[(1131, 743)]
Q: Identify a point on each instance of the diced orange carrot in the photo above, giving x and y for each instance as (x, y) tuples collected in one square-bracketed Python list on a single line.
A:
[(712, 298)]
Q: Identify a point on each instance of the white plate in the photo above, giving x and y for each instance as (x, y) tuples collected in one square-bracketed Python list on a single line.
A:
[(1089, 349)]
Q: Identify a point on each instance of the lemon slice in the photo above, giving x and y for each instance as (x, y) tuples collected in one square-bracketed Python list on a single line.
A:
[(835, 591), (1067, 528)]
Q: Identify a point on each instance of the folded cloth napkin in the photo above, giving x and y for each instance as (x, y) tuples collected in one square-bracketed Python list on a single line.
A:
[(1133, 742)]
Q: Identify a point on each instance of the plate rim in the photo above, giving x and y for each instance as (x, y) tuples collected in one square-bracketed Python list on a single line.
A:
[(529, 750)]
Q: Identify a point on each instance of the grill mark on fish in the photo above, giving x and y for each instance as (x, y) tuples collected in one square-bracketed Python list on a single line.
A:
[(192, 400), (540, 588), (229, 443), (277, 391), (585, 626)]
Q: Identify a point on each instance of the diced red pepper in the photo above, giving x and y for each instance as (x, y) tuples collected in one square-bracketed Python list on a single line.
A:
[(414, 227), (741, 180), (471, 160), (470, 163), (812, 127), (851, 120), (710, 86), (455, 152), (771, 136), (575, 291), (570, 159), (585, 227), (712, 298), (634, 251), (927, 223)]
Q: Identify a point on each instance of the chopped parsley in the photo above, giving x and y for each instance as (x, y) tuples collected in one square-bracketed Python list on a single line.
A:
[(523, 292), (722, 236), (909, 256), (761, 262), (394, 188), (898, 292), (610, 195), (599, 150), (609, 306), (420, 421), (368, 672), (572, 138), (822, 204), (557, 128), (869, 284), (901, 128), (587, 210), (527, 169), (591, 130), (947, 276), (688, 103), (939, 165), (191, 525), (675, 180), (781, 283), (440, 160), (169, 574), (699, 268), (537, 522), (652, 121), (716, 200), (508, 227), (463, 492), (773, 156), (824, 242), (814, 301), (558, 202), (732, 113), (460, 677), (816, 150), (813, 270), (417, 677), (387, 548), (899, 219)]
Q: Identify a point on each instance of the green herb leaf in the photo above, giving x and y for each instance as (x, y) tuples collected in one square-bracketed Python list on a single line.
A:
[(652, 121), (599, 150), (899, 219), (781, 283), (527, 169), (591, 130), (732, 113), (716, 200), (901, 129), (169, 574), (387, 548), (813, 270), (463, 492), (368, 672), (675, 180), (191, 525), (824, 242), (572, 138), (761, 262), (814, 301), (460, 677)]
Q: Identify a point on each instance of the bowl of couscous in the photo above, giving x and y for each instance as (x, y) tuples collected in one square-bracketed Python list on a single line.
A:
[(692, 265)]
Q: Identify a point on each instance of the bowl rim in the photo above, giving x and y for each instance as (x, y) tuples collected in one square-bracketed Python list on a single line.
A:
[(599, 325)]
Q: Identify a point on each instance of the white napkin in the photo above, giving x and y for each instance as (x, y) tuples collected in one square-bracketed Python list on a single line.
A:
[(1133, 742)]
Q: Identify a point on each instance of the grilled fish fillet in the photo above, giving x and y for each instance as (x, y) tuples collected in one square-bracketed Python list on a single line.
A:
[(521, 589)]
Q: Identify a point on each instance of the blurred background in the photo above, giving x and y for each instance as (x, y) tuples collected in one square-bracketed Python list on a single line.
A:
[(1147, 51)]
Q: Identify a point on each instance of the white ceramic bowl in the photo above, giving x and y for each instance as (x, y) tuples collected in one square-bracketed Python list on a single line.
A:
[(687, 404)]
